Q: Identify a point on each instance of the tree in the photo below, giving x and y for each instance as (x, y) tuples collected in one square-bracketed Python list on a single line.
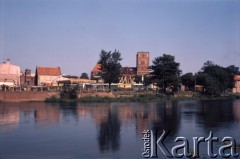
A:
[(188, 80), (216, 79), (84, 75), (110, 66), (146, 79), (210, 83), (166, 72), (69, 93), (137, 79)]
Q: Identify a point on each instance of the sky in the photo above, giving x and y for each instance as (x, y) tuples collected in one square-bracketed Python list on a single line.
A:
[(71, 33)]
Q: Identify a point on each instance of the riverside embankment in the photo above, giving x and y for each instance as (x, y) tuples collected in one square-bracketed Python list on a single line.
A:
[(24, 96), (29, 96), (48, 96)]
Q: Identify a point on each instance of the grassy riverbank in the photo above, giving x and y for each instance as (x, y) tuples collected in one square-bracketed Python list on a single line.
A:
[(138, 98)]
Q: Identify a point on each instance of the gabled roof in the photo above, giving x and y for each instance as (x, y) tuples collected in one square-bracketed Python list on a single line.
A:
[(49, 71), (96, 68)]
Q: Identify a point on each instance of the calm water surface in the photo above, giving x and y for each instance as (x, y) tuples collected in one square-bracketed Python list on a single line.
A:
[(113, 130)]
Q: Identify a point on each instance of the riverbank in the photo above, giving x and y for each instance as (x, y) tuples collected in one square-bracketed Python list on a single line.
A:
[(105, 97), (26, 96), (137, 98)]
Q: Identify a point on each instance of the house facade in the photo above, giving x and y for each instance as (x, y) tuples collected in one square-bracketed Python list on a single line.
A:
[(9, 74), (27, 78), (95, 73), (236, 88), (47, 76)]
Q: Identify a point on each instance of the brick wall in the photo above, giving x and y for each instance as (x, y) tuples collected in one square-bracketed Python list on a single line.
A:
[(26, 96)]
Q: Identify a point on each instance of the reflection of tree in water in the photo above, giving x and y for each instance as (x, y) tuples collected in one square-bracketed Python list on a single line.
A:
[(168, 118), (109, 133), (214, 113), (162, 116)]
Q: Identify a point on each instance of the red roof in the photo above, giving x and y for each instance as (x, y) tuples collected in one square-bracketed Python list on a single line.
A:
[(49, 71), (96, 68), (237, 77)]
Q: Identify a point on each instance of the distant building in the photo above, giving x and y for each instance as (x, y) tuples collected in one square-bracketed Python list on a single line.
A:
[(47, 76), (9, 74), (127, 73), (27, 78), (236, 88), (142, 63), (95, 73)]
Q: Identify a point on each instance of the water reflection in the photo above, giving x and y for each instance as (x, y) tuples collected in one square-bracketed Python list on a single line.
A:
[(109, 129), (9, 118), (107, 126)]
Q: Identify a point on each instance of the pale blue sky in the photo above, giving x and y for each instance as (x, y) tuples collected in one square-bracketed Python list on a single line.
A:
[(71, 33)]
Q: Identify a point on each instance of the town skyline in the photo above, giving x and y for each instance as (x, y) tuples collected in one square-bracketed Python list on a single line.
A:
[(71, 34)]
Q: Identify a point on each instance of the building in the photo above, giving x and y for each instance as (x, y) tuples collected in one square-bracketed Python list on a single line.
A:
[(27, 78), (236, 88), (9, 74), (95, 73), (47, 76), (128, 74), (142, 63)]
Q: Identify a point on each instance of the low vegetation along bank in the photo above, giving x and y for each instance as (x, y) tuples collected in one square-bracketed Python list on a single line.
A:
[(136, 98)]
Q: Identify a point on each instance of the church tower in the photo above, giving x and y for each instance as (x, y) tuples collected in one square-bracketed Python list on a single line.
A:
[(142, 63)]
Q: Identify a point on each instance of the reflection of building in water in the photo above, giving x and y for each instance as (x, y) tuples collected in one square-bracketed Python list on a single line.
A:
[(144, 114), (9, 117), (82, 111), (125, 113), (100, 113), (46, 114)]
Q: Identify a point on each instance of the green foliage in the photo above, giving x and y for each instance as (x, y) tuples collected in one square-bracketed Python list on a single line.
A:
[(188, 80), (216, 79), (137, 79), (68, 93), (146, 80), (166, 72), (110, 66), (84, 75)]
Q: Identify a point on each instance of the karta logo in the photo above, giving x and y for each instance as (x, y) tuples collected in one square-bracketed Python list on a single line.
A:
[(153, 144)]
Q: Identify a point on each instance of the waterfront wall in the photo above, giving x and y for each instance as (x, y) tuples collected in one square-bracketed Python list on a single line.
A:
[(26, 96)]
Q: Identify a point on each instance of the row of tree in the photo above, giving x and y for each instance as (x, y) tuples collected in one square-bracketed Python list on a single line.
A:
[(214, 78), (166, 73)]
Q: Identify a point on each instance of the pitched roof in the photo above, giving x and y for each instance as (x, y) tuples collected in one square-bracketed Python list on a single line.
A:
[(96, 68), (50, 71)]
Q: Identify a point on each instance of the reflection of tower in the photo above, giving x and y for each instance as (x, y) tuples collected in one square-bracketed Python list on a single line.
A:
[(142, 63)]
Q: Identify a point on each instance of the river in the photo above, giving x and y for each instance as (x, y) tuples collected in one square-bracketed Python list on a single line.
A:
[(38, 130)]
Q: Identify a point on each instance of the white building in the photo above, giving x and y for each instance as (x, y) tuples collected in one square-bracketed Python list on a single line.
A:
[(47, 76), (9, 74)]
